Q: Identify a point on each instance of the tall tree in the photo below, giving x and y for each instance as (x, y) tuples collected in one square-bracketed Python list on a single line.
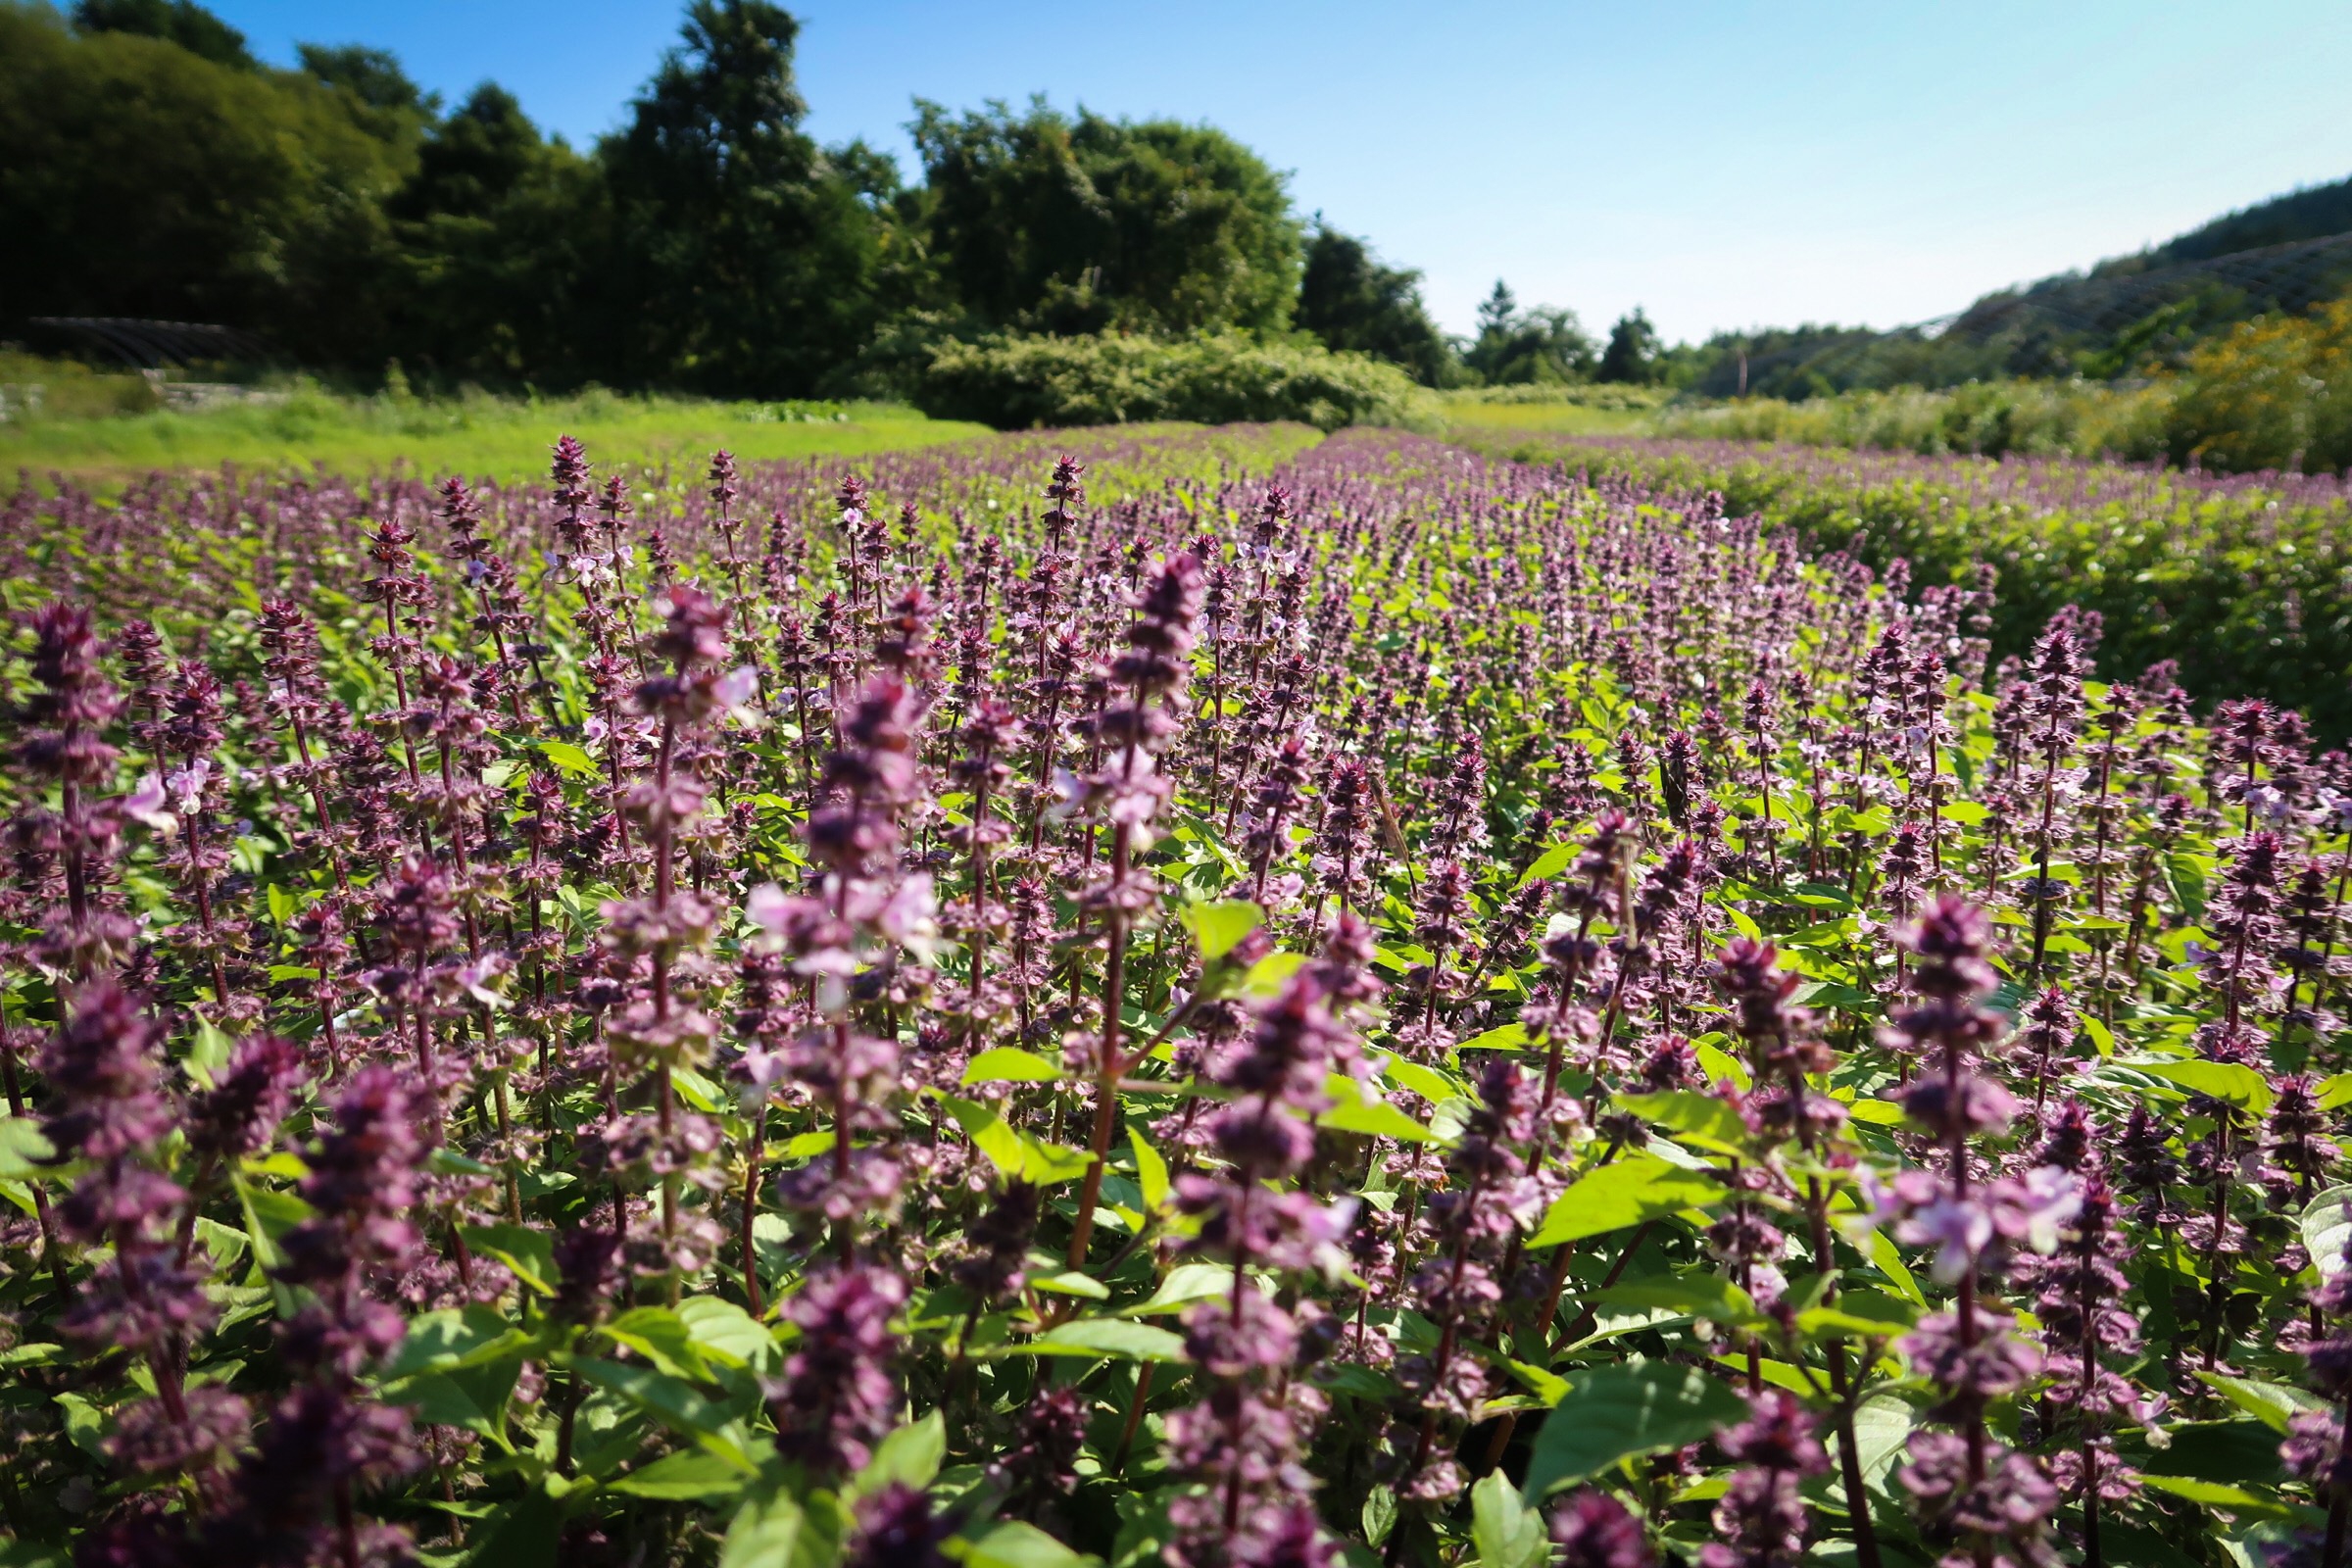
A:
[(473, 159), (1633, 350), (1545, 345), (1499, 311), (747, 256), (501, 234), (382, 92), (1351, 301), (1043, 222), (176, 21)]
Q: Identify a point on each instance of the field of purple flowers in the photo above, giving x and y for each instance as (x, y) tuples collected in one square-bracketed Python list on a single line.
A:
[(1216, 1001)]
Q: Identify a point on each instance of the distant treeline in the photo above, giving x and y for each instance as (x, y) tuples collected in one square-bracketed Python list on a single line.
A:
[(151, 168)]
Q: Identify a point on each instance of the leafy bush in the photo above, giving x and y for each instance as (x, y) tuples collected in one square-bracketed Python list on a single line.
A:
[(32, 387), (2274, 393), (1991, 418), (1017, 382)]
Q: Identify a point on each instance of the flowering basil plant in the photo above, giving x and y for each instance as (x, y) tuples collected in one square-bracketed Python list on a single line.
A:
[(1204, 1000)]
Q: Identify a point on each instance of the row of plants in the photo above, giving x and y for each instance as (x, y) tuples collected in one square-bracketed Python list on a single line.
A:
[(1981, 418), (2242, 580), (1210, 999), (2269, 394)]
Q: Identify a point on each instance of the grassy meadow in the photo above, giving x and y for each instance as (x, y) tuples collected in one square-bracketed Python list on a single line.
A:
[(1490, 413), (485, 436)]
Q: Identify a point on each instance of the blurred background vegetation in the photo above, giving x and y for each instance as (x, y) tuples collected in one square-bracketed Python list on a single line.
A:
[(379, 253)]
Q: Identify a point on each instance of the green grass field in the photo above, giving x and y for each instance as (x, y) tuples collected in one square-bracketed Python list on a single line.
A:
[(480, 436), (1468, 418)]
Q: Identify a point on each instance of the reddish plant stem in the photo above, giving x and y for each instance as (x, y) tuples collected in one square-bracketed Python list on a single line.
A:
[(1108, 1065)]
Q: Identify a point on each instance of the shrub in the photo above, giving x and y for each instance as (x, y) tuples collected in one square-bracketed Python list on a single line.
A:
[(1016, 383), (35, 388), (1991, 419), (2276, 393)]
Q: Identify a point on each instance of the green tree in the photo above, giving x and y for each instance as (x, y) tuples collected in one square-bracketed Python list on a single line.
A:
[(1497, 311), (373, 77), (1633, 350), (473, 159), (1347, 299), (746, 258), (500, 234), (1042, 223), (179, 21), (1542, 346), (140, 178), (381, 95)]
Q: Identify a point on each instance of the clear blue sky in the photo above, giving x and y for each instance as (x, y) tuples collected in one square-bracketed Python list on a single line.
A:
[(1724, 165)]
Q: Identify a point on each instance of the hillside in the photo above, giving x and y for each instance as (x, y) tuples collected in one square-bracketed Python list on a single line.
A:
[(2312, 213), (2123, 316), (2288, 253)]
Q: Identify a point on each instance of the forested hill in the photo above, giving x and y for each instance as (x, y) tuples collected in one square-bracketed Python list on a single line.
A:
[(2315, 211), (2125, 316)]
